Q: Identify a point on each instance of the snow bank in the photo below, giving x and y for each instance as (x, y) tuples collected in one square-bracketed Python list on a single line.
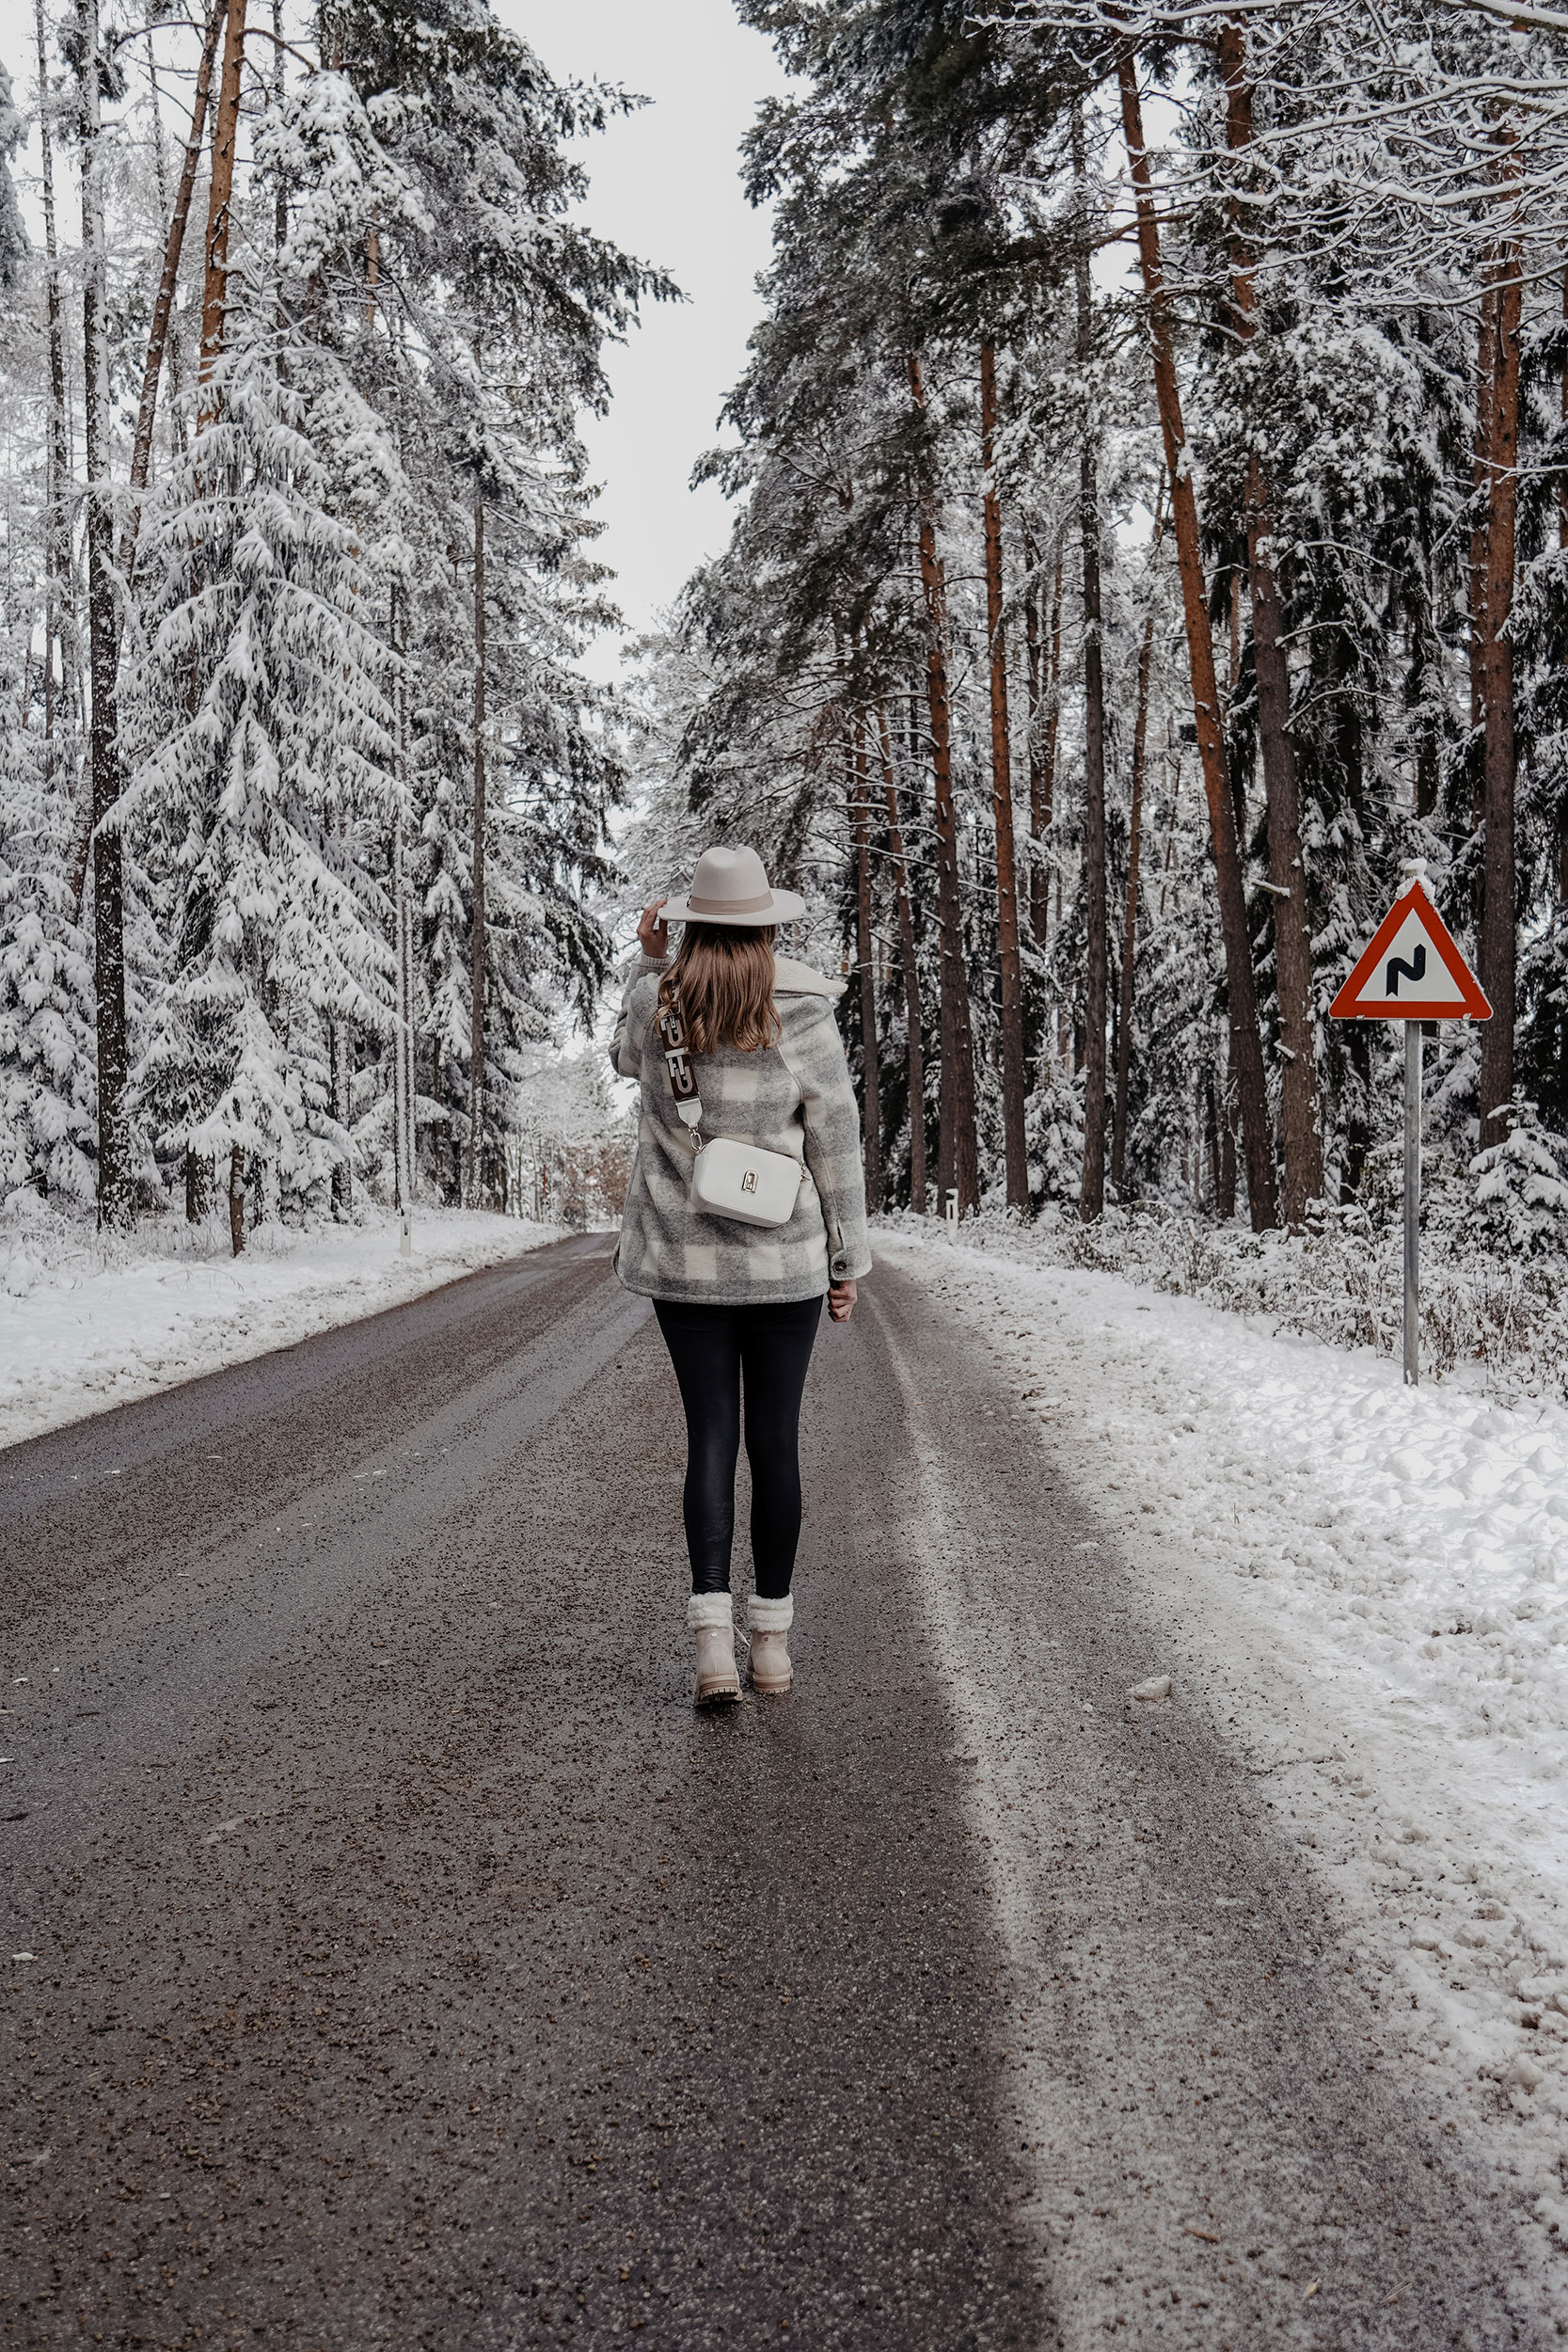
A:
[(1366, 1587), (88, 1321), (1490, 1318)]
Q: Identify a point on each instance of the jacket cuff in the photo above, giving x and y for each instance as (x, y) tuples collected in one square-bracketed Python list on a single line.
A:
[(650, 964)]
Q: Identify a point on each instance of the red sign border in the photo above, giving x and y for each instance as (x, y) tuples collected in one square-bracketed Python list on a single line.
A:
[(1471, 997)]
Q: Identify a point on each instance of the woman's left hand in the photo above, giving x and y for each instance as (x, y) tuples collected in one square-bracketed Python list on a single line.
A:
[(653, 935), (841, 1301)]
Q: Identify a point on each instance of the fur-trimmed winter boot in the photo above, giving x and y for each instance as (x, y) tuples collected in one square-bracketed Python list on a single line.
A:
[(712, 1619), (769, 1623)]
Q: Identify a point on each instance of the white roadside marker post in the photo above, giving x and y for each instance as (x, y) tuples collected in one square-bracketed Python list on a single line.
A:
[(1411, 971), (953, 1213)]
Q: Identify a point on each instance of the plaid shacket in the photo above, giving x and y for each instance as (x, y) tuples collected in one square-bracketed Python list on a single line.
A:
[(794, 1097)]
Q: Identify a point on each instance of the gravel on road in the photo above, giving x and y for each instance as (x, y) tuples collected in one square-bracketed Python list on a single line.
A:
[(407, 1966)]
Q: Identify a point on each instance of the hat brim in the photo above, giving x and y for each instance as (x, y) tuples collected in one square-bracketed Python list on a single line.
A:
[(787, 907)]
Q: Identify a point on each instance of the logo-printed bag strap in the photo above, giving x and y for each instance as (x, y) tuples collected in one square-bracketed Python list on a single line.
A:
[(678, 1062)]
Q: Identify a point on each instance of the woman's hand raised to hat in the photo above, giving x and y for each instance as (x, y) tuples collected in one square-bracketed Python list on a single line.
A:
[(653, 933)]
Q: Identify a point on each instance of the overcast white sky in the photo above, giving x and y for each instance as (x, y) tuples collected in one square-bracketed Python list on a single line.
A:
[(665, 188)]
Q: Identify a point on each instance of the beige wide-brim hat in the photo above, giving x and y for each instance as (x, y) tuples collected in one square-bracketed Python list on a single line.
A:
[(730, 887)]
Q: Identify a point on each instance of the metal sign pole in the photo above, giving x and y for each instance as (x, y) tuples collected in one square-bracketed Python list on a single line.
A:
[(1411, 971), (1412, 1202)]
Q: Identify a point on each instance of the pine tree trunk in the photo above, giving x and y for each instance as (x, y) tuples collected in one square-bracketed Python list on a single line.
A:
[(341, 1041), (114, 1167), (60, 626), (1246, 1052), (911, 971), (871, 1120), (1045, 670), (1301, 1141), (476, 1041), (1498, 945), (236, 1199), (174, 245), (1562, 546), (1358, 1134), (404, 1072), (958, 1155), (1091, 1190), (1009, 955), (220, 195), (1130, 925), (1033, 697), (1048, 757), (1480, 491)]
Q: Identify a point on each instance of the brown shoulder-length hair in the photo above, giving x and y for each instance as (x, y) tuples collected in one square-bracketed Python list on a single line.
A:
[(723, 977)]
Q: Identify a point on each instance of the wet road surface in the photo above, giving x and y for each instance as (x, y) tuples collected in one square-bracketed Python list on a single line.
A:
[(410, 1969)]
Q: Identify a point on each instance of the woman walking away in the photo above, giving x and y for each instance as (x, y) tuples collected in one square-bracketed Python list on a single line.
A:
[(747, 1204)]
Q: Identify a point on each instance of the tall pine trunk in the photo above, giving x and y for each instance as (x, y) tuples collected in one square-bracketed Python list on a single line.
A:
[(220, 197), (58, 635), (1562, 546), (871, 1120), (162, 307), (340, 1042), (1032, 687), (911, 971), (1299, 1137), (1498, 945), (403, 1067), (1091, 1190), (1246, 1052), (476, 973), (114, 1152), (1480, 488), (958, 1154), (1044, 676), (1130, 924), (1009, 956)]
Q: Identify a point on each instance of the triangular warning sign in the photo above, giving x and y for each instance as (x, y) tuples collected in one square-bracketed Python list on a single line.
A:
[(1412, 971)]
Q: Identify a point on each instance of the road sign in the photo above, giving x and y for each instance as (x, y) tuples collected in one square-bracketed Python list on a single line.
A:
[(1412, 971)]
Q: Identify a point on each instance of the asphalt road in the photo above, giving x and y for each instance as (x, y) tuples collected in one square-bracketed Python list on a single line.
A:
[(409, 1968)]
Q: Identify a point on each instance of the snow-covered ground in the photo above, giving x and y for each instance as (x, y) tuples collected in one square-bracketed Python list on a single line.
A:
[(86, 1324), (1366, 1587)]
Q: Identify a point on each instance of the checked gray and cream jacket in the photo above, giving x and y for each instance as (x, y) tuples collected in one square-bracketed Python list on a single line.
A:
[(794, 1097)]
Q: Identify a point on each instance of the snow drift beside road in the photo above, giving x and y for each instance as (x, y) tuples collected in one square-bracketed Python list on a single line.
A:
[(88, 1322), (1365, 1587)]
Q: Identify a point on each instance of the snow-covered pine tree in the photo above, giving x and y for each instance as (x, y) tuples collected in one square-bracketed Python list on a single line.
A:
[(485, 322), (265, 751), (47, 1124), (1519, 1205)]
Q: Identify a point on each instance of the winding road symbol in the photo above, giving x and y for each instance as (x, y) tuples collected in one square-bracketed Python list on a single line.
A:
[(1414, 971)]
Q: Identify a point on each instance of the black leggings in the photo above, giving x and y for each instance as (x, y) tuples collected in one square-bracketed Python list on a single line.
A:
[(712, 1348)]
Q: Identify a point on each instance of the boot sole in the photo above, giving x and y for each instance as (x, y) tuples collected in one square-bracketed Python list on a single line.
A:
[(716, 1695), (773, 1690)]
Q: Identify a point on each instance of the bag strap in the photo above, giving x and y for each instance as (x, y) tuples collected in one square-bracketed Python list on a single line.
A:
[(678, 1062)]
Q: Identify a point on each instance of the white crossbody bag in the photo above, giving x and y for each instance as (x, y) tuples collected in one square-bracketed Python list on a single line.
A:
[(728, 1179)]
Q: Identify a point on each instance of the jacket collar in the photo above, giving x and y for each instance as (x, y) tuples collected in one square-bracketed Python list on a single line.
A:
[(792, 978)]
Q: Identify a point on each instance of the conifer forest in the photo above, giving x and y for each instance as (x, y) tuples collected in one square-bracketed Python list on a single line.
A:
[(1149, 492)]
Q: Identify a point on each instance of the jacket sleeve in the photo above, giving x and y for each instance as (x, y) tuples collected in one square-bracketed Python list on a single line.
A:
[(832, 1145), (626, 1046)]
